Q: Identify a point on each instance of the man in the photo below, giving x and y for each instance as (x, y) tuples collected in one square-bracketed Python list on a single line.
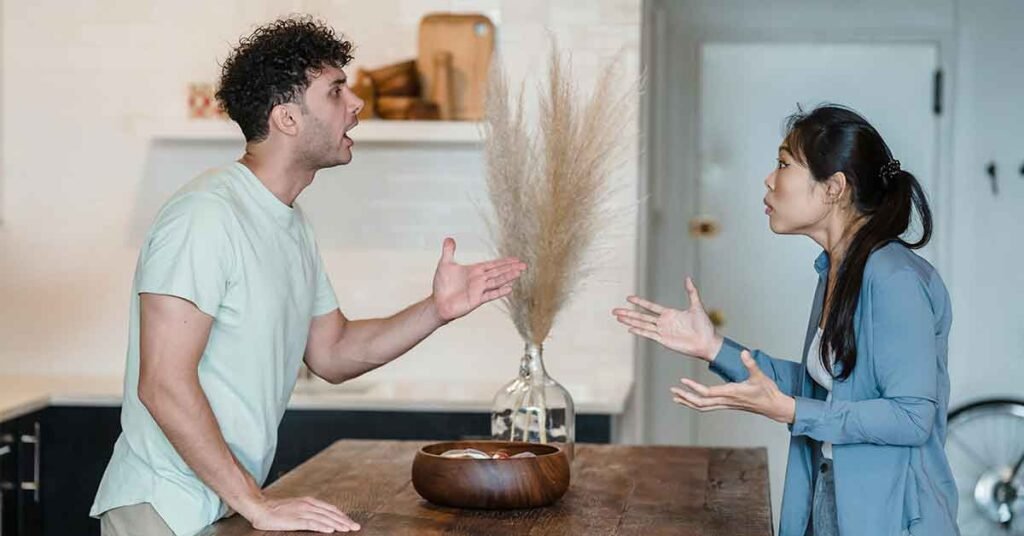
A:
[(230, 295)]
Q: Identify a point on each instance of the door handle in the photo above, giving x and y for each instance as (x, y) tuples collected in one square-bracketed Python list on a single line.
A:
[(6, 449), (703, 227), (35, 441), (717, 318)]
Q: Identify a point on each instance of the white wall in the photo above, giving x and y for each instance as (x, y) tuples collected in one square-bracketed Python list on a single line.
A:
[(987, 342), (81, 180)]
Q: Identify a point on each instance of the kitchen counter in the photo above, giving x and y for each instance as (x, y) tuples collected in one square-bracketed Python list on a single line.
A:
[(615, 490), (21, 395)]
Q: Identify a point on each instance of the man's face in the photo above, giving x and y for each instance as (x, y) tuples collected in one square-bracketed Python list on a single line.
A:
[(329, 112)]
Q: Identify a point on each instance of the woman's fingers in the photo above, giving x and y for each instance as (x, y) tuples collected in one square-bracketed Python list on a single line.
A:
[(699, 400), (698, 388), (650, 306), (636, 315), (637, 324), (691, 291), (710, 407), (750, 364)]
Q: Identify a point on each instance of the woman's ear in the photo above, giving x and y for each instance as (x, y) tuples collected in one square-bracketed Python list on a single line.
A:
[(835, 187)]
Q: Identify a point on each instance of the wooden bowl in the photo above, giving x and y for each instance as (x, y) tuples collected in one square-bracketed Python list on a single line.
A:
[(491, 484)]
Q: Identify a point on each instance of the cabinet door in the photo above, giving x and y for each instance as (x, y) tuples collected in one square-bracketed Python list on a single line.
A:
[(27, 439), (8, 480), (77, 443)]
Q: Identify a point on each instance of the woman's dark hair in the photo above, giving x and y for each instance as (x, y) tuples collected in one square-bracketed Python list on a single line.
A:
[(832, 139), (273, 66)]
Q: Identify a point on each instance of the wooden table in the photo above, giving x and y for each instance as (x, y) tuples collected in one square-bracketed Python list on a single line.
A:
[(616, 490)]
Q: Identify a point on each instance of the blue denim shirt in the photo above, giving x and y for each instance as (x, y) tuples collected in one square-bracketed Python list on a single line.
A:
[(887, 420)]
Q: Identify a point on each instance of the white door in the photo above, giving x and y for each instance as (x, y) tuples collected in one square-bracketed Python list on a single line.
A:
[(762, 283)]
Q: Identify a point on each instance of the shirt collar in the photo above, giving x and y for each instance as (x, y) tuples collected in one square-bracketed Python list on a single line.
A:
[(821, 263)]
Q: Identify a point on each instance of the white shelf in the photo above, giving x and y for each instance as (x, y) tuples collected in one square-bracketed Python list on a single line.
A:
[(371, 130)]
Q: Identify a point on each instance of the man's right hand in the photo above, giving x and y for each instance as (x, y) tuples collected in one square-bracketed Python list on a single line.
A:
[(304, 513)]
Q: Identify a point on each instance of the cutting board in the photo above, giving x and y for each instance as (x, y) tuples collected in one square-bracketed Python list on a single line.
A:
[(454, 58)]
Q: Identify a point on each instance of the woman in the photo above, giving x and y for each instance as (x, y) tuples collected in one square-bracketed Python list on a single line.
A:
[(867, 405)]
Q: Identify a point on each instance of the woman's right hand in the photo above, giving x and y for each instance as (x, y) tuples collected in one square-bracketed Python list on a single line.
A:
[(688, 332)]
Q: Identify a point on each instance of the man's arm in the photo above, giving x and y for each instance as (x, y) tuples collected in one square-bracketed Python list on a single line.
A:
[(173, 334), (339, 349)]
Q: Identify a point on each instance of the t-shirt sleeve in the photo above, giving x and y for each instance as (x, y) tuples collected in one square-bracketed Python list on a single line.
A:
[(325, 301), (189, 252)]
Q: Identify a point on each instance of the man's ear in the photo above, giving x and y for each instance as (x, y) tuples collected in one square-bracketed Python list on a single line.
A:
[(285, 119), (836, 186)]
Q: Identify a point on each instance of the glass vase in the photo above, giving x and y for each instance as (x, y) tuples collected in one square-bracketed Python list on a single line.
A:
[(534, 407)]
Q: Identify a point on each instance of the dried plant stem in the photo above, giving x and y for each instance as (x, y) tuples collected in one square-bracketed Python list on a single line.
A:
[(549, 193)]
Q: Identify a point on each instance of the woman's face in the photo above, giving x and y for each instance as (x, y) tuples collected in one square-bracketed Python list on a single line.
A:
[(795, 202)]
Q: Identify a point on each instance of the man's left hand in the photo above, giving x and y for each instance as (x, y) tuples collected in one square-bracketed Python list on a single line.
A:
[(459, 289)]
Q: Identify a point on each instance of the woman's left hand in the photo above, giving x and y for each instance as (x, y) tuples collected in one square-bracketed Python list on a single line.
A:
[(758, 394)]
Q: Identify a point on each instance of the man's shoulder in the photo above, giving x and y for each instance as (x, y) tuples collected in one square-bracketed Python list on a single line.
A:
[(210, 195)]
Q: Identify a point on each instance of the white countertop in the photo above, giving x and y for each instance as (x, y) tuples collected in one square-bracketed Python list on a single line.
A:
[(21, 394)]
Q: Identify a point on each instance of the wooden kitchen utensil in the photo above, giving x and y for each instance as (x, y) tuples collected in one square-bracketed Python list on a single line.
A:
[(406, 108), (504, 484), (469, 38), (365, 90), (442, 91), (398, 80)]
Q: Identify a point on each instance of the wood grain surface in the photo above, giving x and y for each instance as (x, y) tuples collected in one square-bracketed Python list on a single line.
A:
[(615, 490)]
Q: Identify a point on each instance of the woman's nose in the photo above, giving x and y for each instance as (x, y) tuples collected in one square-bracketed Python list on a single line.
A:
[(769, 182)]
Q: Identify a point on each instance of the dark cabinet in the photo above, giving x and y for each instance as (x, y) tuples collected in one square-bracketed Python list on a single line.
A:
[(8, 480), (75, 443), (20, 514), (52, 468)]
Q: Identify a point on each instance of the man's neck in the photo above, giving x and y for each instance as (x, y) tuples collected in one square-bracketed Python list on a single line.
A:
[(279, 174)]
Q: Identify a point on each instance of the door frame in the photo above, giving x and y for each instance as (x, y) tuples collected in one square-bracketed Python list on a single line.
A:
[(665, 250)]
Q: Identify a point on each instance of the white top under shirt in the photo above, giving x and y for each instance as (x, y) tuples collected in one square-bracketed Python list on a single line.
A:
[(821, 376)]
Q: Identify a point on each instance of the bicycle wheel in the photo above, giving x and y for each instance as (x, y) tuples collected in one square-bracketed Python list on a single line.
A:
[(985, 446)]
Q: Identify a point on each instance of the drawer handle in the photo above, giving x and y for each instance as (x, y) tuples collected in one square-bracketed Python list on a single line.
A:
[(33, 440)]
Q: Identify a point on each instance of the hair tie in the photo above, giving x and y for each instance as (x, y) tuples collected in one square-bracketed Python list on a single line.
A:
[(889, 172)]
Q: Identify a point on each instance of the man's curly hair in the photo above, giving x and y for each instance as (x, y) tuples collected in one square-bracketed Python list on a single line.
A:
[(274, 65)]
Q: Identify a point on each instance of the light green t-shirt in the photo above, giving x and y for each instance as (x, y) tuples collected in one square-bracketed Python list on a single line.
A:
[(228, 245)]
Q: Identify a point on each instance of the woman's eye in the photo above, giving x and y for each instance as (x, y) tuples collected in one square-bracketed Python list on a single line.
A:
[(780, 164)]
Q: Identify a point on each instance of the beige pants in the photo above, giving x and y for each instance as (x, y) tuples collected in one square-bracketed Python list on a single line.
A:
[(134, 520)]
